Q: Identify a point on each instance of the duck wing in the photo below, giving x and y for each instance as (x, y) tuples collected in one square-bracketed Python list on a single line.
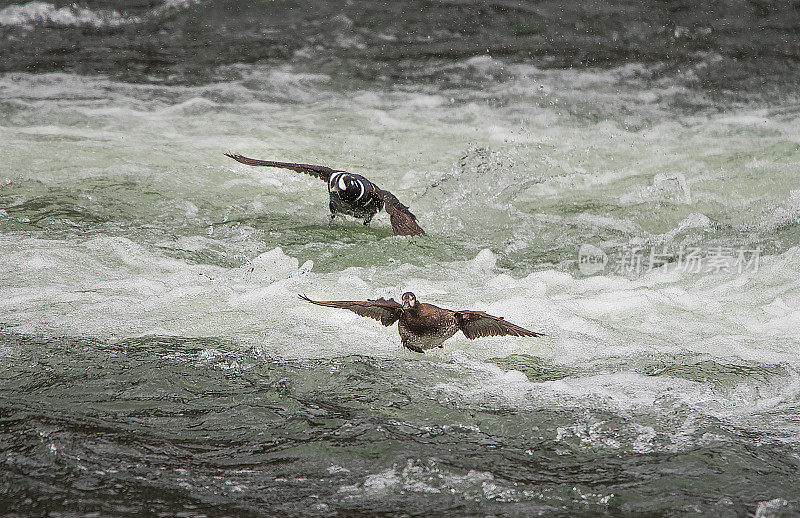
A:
[(386, 311), (404, 222), (475, 324), (320, 171)]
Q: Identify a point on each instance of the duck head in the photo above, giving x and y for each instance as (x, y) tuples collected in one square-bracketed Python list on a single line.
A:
[(409, 300), (347, 187)]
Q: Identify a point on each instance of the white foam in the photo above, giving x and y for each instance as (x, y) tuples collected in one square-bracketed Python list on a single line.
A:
[(46, 13), (772, 508), (485, 260), (666, 187), (427, 477), (38, 13)]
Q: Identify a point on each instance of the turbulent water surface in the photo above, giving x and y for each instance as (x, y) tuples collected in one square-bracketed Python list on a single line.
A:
[(624, 179)]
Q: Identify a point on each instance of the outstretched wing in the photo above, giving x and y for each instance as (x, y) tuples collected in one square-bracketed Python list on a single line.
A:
[(404, 222), (320, 171), (387, 311), (475, 324)]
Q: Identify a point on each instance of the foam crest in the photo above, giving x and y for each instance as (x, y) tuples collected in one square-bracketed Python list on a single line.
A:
[(668, 397), (665, 311), (40, 13), (427, 477), (667, 188)]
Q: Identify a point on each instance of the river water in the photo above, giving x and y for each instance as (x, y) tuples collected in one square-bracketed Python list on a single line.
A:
[(623, 179)]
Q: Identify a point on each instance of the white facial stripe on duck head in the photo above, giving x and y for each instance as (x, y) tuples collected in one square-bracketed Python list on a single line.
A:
[(332, 181)]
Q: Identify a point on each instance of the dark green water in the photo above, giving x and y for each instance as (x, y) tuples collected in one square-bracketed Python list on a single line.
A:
[(199, 426)]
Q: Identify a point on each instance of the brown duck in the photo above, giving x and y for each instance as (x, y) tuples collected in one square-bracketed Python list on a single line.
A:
[(425, 326), (352, 194)]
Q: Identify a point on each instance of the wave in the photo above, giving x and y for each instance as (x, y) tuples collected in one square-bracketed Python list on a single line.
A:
[(44, 13), (142, 290), (39, 13)]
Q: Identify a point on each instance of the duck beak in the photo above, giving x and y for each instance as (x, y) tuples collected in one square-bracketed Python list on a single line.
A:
[(406, 305)]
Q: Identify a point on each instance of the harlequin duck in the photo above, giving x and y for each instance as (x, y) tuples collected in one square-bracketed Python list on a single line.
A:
[(352, 194), (425, 326)]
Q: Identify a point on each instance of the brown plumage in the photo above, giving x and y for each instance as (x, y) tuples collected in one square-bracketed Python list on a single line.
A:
[(404, 222), (424, 326), (351, 194)]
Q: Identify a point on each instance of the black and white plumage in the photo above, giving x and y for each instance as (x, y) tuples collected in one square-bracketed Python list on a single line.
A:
[(424, 326), (352, 194)]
